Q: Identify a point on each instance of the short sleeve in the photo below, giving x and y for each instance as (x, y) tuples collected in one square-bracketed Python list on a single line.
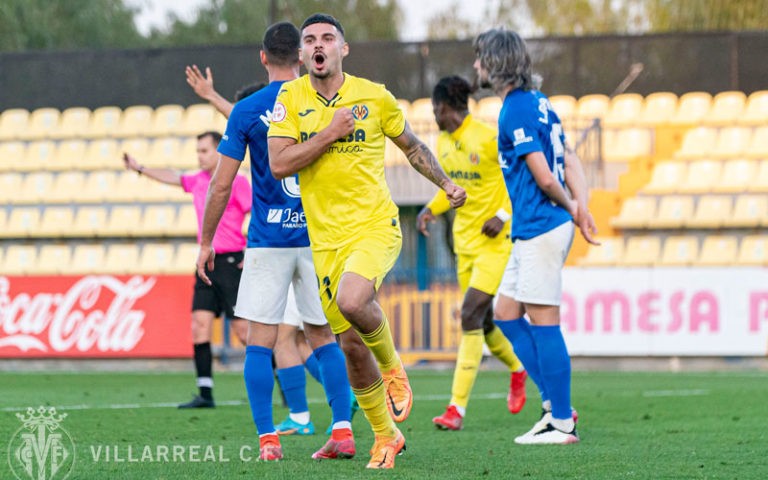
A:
[(187, 182), (392, 117), (522, 129), (284, 121), (234, 141)]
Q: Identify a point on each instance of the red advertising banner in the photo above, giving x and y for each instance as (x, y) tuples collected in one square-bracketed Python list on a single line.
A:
[(95, 316)]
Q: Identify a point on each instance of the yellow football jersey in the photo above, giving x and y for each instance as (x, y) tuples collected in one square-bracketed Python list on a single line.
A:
[(470, 157), (344, 191)]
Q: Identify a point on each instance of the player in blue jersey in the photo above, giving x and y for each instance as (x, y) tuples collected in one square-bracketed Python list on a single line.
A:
[(537, 168), (277, 257)]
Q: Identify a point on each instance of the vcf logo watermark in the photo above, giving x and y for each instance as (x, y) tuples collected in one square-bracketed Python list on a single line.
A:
[(41, 449)]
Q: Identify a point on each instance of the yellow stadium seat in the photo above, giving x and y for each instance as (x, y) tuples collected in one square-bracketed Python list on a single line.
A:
[(104, 122), (422, 119), (732, 142), (749, 211), (691, 108), (624, 110), (87, 259), (185, 223), (608, 253), (680, 251), (393, 156), (22, 222), (756, 111), (157, 220), (156, 258), (564, 106), (674, 212), (199, 118), (66, 187), (405, 106), (122, 258), (718, 250), (102, 154), (89, 221), (163, 153), (658, 109), (12, 154), (641, 251), (74, 123), (628, 145), (13, 122), (129, 187), (712, 211), (701, 176), (70, 155), (2, 254), (35, 188), (758, 147), (123, 221), (99, 187), (753, 250), (185, 258), (135, 122), (187, 158), (135, 147), (760, 182), (41, 156), (42, 123), (55, 222), (737, 176), (666, 177), (10, 186), (53, 259), (635, 212), (726, 108), (167, 120), (697, 143), (488, 109), (19, 260), (590, 107)]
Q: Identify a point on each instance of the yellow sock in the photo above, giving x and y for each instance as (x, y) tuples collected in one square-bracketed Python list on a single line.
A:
[(382, 346), (502, 349), (467, 362), (373, 402)]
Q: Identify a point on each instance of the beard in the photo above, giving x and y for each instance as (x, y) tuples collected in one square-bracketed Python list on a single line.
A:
[(479, 83)]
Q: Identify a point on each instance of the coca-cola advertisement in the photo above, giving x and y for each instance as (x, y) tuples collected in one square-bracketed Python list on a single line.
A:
[(95, 316)]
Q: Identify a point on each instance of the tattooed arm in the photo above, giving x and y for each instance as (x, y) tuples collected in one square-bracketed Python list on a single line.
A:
[(426, 164)]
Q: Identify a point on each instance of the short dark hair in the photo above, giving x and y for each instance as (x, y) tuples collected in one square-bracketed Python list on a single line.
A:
[(453, 91), (248, 90), (322, 18), (215, 136), (281, 44)]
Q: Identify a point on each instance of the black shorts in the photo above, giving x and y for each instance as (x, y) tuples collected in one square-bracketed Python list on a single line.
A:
[(221, 296)]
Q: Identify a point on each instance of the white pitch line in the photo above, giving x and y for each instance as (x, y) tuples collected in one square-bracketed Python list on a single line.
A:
[(675, 393)]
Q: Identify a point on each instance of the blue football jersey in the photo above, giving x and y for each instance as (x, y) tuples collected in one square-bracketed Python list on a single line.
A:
[(528, 124), (277, 216)]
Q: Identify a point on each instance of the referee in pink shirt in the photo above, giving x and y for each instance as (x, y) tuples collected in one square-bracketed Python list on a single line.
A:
[(219, 298)]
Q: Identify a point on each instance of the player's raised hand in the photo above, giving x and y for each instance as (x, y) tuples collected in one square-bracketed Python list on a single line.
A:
[(205, 258), (130, 162), (342, 123), (456, 195), (424, 218), (201, 84)]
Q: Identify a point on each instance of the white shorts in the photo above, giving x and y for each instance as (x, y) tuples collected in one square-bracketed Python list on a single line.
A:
[(272, 275), (534, 272)]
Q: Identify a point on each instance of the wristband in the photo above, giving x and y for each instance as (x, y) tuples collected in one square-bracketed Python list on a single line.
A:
[(502, 215), (140, 170)]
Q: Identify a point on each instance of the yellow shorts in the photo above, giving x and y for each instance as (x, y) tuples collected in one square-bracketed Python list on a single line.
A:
[(372, 255), (482, 271)]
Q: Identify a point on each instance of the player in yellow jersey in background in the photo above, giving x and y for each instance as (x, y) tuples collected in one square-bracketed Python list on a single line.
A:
[(331, 128), (467, 150)]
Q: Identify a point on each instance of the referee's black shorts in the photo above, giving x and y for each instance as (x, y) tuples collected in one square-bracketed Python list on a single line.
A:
[(221, 296)]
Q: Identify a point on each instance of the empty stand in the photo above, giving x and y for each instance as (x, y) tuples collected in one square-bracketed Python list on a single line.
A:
[(760, 182), (718, 250), (674, 212), (19, 259), (624, 110), (12, 155), (590, 107), (608, 253), (164, 153), (35, 188), (488, 109), (123, 221), (636, 212), (726, 108), (750, 211), (756, 110), (627, 145), (691, 108), (564, 106), (732, 142), (13, 122), (712, 211), (753, 250), (53, 260), (701, 176), (680, 250), (641, 251), (167, 120), (104, 122), (73, 123), (666, 177), (99, 186), (41, 156), (41, 124), (87, 259), (135, 147), (157, 220), (185, 258), (185, 223), (156, 258), (70, 155), (136, 121), (737, 176), (758, 146), (199, 118), (89, 221), (102, 154), (67, 186), (697, 143), (10, 185), (122, 258), (658, 109), (55, 222)]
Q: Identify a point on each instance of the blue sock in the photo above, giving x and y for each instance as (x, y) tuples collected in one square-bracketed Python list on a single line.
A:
[(518, 332), (294, 385), (259, 382), (313, 367), (555, 365), (333, 370)]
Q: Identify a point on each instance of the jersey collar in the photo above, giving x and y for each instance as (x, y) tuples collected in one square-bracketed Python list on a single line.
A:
[(464, 125)]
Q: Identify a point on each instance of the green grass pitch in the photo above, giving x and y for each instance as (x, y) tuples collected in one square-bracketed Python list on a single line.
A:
[(632, 425)]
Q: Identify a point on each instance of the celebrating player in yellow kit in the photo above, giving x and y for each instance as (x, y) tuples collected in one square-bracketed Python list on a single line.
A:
[(468, 152), (331, 128)]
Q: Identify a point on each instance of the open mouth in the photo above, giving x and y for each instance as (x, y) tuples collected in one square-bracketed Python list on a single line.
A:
[(319, 59)]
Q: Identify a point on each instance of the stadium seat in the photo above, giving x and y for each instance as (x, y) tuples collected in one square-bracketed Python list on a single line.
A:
[(737, 176), (12, 154), (697, 143), (13, 122), (163, 153), (99, 187), (89, 221), (73, 123), (712, 211), (624, 110), (19, 260), (66, 187), (53, 259), (121, 258), (102, 154), (55, 222), (156, 258), (198, 118), (3, 222), (167, 121), (658, 109), (726, 108), (104, 122), (564, 106), (22, 222), (756, 110), (41, 156), (680, 250), (608, 253), (41, 124), (666, 177), (759, 182), (185, 223), (749, 211), (405, 106), (10, 186), (701, 176), (70, 155), (135, 147), (157, 220), (627, 145), (135, 122), (590, 107), (123, 221), (129, 187), (641, 251), (185, 258), (87, 259), (674, 212), (718, 250), (758, 147), (691, 108), (393, 156), (422, 119), (636, 212), (488, 109), (753, 250), (732, 142), (187, 158), (35, 188)]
